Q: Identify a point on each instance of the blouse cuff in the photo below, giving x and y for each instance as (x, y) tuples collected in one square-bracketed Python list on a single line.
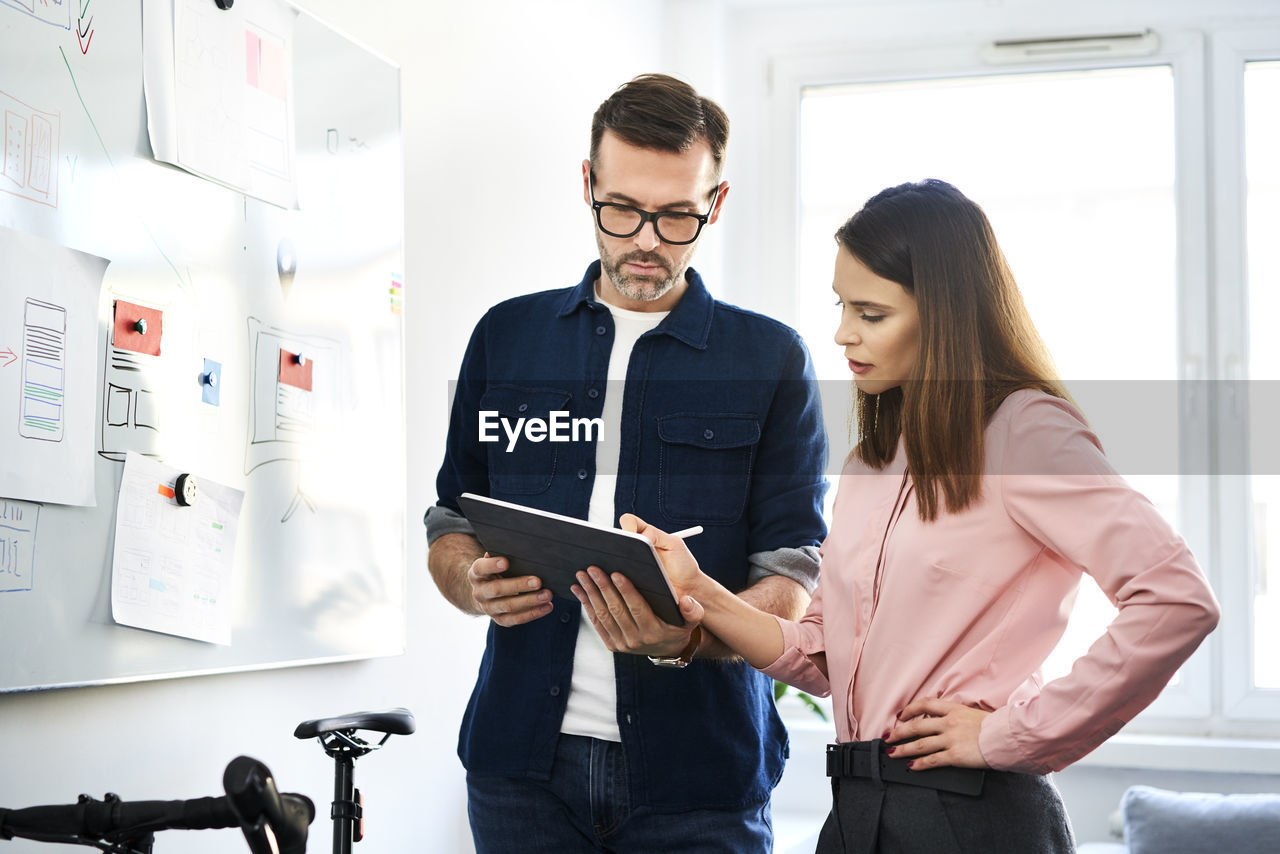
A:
[(1000, 748), (793, 665)]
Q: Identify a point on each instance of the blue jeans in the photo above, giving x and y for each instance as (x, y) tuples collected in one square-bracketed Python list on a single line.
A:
[(586, 807)]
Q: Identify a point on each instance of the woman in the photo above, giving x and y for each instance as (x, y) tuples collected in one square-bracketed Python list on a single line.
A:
[(973, 501)]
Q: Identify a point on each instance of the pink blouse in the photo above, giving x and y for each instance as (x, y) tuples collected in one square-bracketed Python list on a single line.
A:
[(967, 607)]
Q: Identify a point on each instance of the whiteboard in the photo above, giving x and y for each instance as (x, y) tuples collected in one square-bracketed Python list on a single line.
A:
[(320, 557)]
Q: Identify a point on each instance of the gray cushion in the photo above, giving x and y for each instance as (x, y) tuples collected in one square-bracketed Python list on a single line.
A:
[(1157, 821)]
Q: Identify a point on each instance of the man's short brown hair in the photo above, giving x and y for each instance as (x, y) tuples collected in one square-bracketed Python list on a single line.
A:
[(660, 112)]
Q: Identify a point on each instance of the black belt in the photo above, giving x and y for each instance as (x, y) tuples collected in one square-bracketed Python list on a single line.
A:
[(868, 759)]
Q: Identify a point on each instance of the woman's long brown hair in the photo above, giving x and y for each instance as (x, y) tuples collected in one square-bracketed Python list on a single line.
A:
[(977, 341)]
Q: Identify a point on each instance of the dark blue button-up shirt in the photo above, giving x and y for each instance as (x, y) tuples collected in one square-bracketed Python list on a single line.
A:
[(722, 427)]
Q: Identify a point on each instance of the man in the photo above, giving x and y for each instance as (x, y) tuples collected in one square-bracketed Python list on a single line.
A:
[(586, 731)]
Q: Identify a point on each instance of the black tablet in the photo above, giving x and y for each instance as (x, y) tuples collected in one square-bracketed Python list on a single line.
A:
[(555, 548)]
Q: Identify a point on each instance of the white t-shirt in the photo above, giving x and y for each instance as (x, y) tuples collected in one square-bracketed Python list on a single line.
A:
[(593, 697)]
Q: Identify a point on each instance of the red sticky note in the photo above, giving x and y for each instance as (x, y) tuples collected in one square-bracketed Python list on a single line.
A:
[(166, 491), (294, 373), (129, 334)]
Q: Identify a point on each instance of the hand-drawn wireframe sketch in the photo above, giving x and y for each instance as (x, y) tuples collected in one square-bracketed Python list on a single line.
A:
[(30, 166), (130, 406), (18, 523), (221, 82), (284, 419), (56, 12), (44, 360), (172, 564), (49, 300)]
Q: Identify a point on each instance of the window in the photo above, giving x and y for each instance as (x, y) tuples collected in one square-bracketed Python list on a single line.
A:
[(1155, 288), (1086, 217), (1074, 169)]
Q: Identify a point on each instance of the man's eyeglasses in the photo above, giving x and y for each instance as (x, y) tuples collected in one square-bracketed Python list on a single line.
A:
[(673, 227)]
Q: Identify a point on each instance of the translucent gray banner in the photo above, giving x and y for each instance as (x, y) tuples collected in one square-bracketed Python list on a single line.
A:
[(1146, 427)]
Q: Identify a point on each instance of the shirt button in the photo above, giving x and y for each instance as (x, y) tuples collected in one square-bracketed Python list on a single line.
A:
[(555, 690), (600, 330), (708, 434), (582, 474), (593, 393), (524, 407), (564, 618)]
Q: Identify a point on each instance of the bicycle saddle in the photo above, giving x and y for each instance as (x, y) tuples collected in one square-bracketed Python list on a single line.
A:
[(389, 721)]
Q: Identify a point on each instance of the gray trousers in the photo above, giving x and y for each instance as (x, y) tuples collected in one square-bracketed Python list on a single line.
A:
[(1015, 814)]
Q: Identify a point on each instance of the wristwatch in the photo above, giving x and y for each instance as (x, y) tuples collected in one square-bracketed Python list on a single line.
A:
[(686, 654)]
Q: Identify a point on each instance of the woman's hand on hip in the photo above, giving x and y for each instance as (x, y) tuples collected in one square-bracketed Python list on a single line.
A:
[(940, 732)]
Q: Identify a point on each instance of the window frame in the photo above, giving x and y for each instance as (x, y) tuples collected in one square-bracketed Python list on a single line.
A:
[(1230, 51)]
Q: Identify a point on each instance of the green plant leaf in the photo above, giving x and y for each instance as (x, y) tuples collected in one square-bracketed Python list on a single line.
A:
[(812, 704), (781, 689)]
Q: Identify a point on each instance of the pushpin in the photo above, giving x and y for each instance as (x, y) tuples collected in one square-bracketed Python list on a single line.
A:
[(210, 379), (301, 360), (140, 326), (224, 4), (185, 490)]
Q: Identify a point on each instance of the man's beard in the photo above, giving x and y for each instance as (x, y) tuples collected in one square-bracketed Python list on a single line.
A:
[(639, 288)]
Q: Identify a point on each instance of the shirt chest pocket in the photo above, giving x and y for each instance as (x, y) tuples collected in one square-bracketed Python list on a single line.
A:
[(705, 465), (522, 459)]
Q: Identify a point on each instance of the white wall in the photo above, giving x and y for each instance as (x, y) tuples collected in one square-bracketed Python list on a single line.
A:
[(497, 98)]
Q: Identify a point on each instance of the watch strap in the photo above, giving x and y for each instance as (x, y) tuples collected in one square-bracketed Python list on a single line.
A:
[(686, 654)]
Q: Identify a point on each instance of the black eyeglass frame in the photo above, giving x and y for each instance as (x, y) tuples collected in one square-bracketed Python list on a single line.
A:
[(649, 216)]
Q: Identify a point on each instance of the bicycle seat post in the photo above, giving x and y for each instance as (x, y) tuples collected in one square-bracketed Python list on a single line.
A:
[(339, 739), (347, 810)]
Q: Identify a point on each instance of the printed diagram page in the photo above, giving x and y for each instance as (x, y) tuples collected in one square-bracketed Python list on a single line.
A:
[(172, 570), (48, 358), (219, 91)]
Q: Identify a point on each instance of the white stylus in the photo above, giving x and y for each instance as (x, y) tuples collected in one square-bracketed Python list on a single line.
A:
[(688, 532)]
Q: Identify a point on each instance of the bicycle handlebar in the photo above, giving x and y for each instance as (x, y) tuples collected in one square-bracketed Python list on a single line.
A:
[(264, 814), (252, 803), (104, 819)]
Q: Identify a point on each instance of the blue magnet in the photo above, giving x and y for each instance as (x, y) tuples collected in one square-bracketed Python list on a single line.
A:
[(211, 382)]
